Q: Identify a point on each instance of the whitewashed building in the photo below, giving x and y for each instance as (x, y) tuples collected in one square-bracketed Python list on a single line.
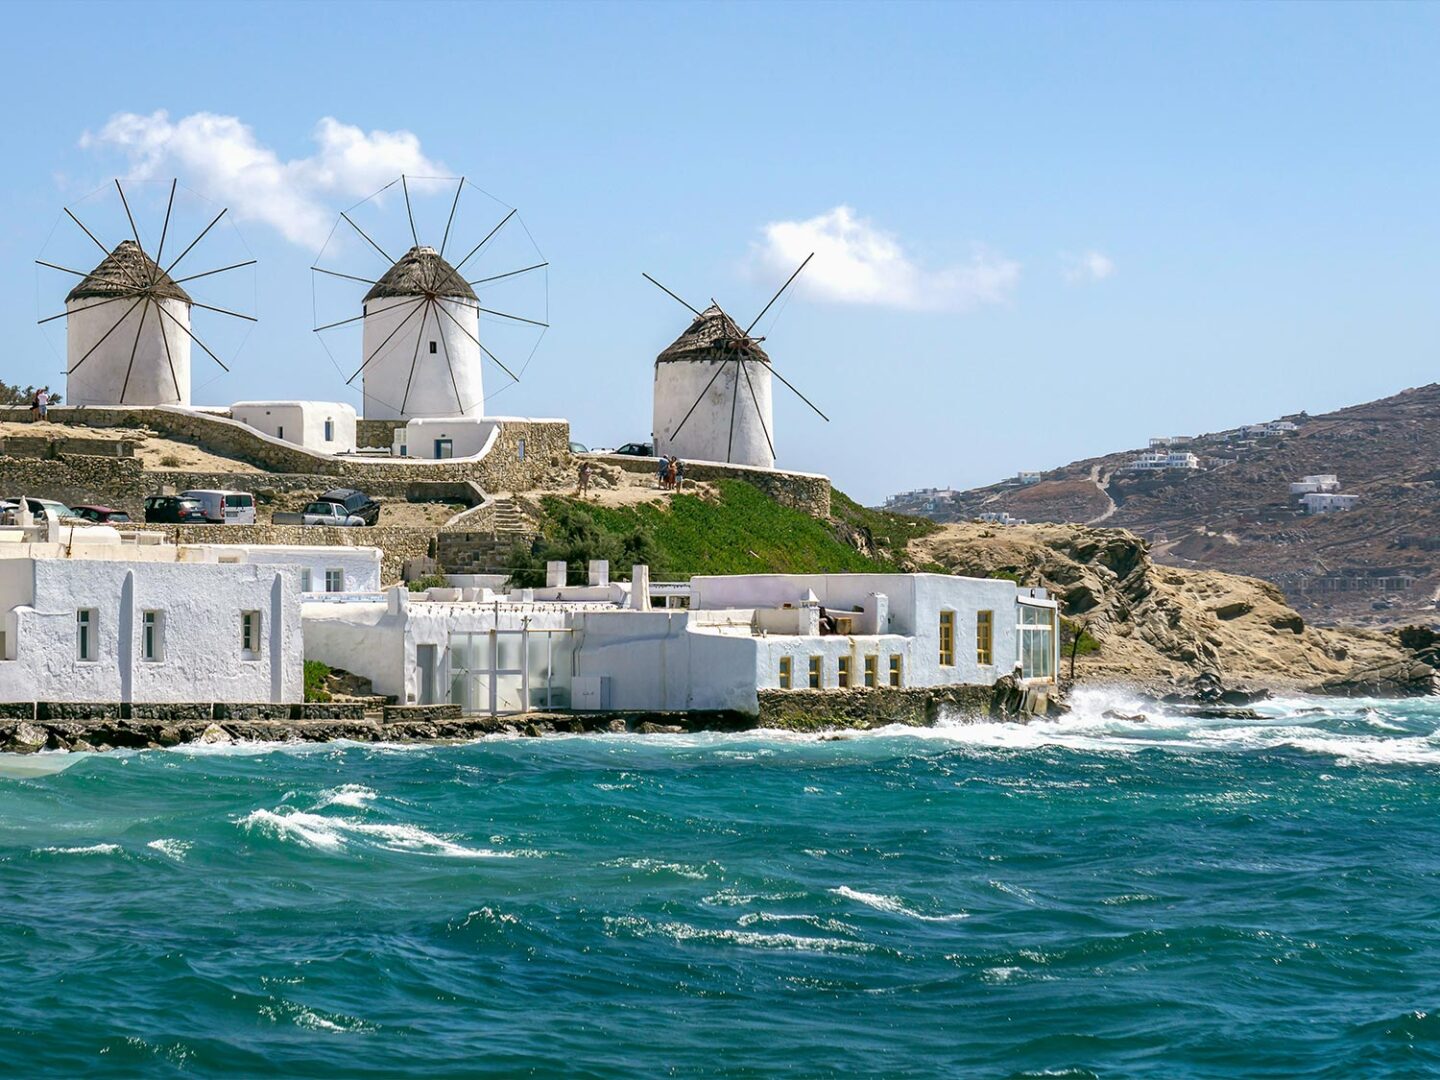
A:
[(1154, 460), (601, 647), (1328, 502), (327, 427), (1321, 482)]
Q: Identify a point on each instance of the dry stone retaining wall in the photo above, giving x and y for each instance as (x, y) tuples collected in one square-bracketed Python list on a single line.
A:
[(808, 492)]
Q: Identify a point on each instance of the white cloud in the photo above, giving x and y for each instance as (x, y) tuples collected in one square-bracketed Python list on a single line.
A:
[(1087, 267), (858, 263), (221, 156)]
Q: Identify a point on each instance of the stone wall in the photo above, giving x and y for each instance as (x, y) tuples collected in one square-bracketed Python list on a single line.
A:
[(819, 710), (373, 433), (118, 482), (25, 446), (396, 542), (808, 492), (546, 459), (462, 551)]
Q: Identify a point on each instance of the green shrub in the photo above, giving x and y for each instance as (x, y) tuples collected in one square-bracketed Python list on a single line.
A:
[(316, 672), (428, 581)]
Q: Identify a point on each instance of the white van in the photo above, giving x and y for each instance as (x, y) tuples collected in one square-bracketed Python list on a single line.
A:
[(225, 507)]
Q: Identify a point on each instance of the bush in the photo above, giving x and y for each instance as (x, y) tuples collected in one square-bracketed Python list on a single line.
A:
[(171, 461), (427, 581), (15, 394), (316, 672), (576, 535), (1086, 644)]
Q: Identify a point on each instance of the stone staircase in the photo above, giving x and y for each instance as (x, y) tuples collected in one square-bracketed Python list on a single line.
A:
[(485, 547)]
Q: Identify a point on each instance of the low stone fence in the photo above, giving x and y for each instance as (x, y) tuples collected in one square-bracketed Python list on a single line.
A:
[(923, 706), (26, 446), (478, 551), (809, 492)]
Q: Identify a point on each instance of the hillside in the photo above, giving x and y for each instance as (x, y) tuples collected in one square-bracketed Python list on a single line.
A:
[(1377, 564), (1161, 628)]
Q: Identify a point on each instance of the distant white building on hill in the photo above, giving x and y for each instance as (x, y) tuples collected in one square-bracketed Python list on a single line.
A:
[(1328, 503), (1321, 482), (1154, 460), (327, 427), (1000, 517), (1028, 477)]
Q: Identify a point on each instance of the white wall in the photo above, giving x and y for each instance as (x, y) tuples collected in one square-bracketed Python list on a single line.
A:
[(405, 378), (301, 422), (361, 565), (102, 377), (706, 436), (202, 605), (470, 436)]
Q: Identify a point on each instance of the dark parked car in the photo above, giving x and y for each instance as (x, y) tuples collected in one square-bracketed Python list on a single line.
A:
[(173, 510), (105, 515), (355, 502), (637, 449)]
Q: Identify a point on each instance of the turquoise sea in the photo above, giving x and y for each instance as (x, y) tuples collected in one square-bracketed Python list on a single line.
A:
[(1088, 897)]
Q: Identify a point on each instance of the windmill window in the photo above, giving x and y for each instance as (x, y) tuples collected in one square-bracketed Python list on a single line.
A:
[(432, 348), (280, 431)]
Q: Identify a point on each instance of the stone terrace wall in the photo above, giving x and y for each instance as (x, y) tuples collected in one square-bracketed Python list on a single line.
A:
[(118, 482), (809, 492), (546, 460), (396, 542)]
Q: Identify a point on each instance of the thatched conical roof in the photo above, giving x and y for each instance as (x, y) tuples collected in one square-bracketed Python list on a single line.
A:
[(712, 335), (418, 272), (127, 271)]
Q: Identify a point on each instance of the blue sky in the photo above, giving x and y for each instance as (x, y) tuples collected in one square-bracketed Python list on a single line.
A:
[(1047, 231)]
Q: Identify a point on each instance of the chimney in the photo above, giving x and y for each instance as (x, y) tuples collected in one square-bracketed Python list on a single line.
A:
[(555, 574), (640, 587), (599, 571)]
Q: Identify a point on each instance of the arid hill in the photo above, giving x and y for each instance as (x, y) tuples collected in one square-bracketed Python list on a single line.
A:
[(1377, 564), (1161, 628)]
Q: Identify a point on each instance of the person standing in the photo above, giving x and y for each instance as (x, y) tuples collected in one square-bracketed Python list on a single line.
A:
[(42, 402), (679, 475), (660, 473), (584, 478)]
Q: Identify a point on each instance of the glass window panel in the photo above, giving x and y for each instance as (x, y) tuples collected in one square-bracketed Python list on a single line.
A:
[(508, 649), (509, 693)]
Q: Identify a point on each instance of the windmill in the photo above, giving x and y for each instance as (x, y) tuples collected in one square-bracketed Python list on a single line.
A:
[(701, 380), (128, 322), (422, 350)]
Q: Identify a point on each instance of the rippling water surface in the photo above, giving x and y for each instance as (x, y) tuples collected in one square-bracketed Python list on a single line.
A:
[(1089, 897)]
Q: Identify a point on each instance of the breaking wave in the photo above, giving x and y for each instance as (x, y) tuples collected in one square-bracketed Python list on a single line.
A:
[(893, 905)]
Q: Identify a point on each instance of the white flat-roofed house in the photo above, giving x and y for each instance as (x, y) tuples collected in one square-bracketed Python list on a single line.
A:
[(1025, 476), (1322, 482), (91, 615), (600, 646), (1317, 502), (1152, 460), (327, 427)]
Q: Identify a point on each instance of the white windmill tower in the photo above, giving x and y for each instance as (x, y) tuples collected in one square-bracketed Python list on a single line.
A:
[(422, 341), (128, 322), (422, 348), (713, 390)]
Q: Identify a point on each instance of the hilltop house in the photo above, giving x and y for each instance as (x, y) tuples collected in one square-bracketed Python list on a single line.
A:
[(1318, 502), (1323, 482), (1153, 460), (601, 646)]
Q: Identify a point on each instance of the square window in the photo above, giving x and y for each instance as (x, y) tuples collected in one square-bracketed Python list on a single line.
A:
[(334, 580), (152, 636), (815, 667), (785, 672), (87, 625), (250, 635), (872, 671)]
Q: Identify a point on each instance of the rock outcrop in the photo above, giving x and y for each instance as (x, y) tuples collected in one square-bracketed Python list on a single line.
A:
[(1162, 628)]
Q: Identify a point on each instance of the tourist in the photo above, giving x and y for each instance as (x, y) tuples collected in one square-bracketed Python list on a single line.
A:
[(679, 476), (35, 407), (42, 402), (584, 478), (660, 473), (670, 473)]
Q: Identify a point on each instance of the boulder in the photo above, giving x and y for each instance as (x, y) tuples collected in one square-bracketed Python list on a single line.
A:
[(27, 738)]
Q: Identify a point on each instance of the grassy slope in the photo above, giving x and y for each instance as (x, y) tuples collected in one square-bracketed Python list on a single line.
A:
[(746, 532)]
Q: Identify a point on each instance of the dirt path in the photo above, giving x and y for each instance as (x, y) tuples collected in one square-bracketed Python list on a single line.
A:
[(1102, 485)]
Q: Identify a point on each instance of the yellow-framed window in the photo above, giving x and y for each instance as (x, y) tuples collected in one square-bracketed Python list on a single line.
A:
[(786, 666), (842, 672), (984, 637), (872, 671), (897, 669), (947, 639), (815, 668)]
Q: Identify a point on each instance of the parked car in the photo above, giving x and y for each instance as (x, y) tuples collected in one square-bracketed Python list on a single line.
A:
[(224, 507), (105, 515), (38, 507), (579, 448), (355, 502), (319, 513), (636, 449), (173, 510)]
